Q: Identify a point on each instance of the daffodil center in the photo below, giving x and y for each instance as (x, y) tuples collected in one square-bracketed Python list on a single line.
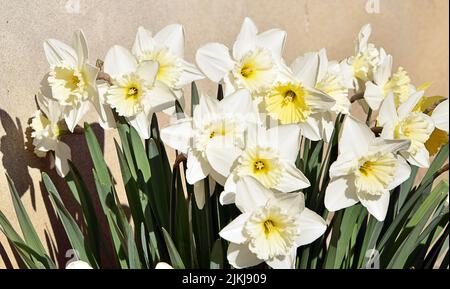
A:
[(261, 163), (246, 71), (375, 173), (133, 92), (269, 227), (271, 232), (288, 102), (289, 96)]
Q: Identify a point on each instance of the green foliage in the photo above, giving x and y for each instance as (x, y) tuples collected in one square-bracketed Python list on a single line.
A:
[(166, 225)]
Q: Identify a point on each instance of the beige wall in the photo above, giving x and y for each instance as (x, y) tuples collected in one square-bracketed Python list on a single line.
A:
[(414, 31)]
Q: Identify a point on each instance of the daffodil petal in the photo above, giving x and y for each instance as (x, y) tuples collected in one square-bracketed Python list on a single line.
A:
[(246, 39), (58, 53), (119, 61), (376, 205), (240, 256), (214, 61), (273, 39), (283, 262), (286, 138), (171, 37), (62, 155), (251, 194), (292, 179), (402, 173), (197, 169), (311, 225), (340, 194), (178, 135), (143, 42), (373, 95), (440, 116), (233, 232)]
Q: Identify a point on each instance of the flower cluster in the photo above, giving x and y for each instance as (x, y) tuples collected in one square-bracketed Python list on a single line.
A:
[(249, 142)]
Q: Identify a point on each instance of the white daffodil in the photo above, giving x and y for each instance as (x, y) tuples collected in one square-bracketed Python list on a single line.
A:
[(440, 116), (330, 77), (78, 265), (253, 64), (47, 128), (167, 49), (72, 79), (405, 123), (366, 169), (384, 82), (269, 156), (221, 124), (365, 60), (293, 98), (135, 92), (270, 228)]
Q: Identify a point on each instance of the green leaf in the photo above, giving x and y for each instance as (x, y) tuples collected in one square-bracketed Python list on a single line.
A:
[(28, 231), (175, 258), (217, 255), (79, 188), (19, 244), (410, 242), (133, 255), (194, 97), (73, 232)]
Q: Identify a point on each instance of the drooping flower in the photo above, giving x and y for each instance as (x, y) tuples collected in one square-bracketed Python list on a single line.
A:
[(254, 62), (72, 79), (135, 92), (214, 123), (384, 82), (365, 60), (268, 156), (47, 127), (270, 228), (405, 123), (366, 169), (293, 98), (167, 49)]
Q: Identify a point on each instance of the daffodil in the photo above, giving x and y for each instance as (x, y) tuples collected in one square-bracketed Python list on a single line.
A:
[(405, 123), (254, 62), (167, 49), (269, 156), (47, 128), (384, 82), (72, 79), (329, 77), (293, 98), (271, 227), (365, 60), (135, 92), (219, 124), (366, 169)]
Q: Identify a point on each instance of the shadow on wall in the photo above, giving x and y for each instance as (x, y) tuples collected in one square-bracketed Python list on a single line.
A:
[(17, 149)]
